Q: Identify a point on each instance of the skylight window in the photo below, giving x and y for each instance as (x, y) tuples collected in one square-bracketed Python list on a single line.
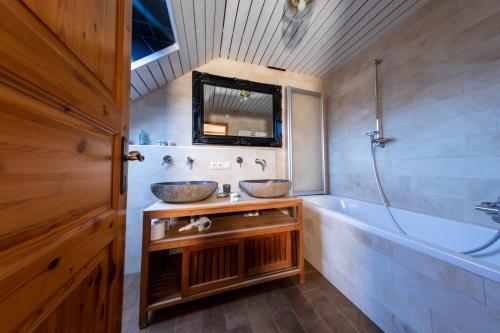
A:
[(153, 32)]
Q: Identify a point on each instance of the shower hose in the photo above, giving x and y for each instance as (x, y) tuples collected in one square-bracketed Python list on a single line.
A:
[(490, 242)]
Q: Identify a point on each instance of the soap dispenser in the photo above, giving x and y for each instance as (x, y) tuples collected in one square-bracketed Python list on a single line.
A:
[(143, 138)]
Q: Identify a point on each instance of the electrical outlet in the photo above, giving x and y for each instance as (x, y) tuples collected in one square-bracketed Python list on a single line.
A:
[(220, 165)]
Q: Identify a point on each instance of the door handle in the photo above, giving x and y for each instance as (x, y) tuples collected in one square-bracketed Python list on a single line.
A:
[(130, 156), (134, 156)]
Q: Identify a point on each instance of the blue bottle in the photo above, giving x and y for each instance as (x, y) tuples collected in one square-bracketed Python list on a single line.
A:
[(143, 138)]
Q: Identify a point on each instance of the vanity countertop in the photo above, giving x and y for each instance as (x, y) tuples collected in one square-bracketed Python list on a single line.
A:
[(215, 205)]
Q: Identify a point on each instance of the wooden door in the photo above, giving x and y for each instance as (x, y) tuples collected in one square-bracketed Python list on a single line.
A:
[(64, 80)]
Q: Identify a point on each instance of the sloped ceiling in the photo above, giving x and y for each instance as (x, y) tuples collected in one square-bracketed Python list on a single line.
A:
[(258, 32), (223, 100)]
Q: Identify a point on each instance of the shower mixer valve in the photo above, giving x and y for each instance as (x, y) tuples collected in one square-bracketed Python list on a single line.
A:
[(491, 208), (377, 139)]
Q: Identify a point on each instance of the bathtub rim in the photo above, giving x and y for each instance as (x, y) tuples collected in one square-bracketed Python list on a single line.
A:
[(463, 261)]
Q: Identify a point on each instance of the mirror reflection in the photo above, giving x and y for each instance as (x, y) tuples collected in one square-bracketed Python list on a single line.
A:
[(232, 112)]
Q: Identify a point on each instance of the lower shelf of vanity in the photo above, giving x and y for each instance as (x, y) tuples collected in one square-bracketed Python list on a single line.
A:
[(237, 251), (165, 287)]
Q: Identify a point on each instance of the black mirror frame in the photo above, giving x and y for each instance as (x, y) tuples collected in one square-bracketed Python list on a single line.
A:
[(200, 79)]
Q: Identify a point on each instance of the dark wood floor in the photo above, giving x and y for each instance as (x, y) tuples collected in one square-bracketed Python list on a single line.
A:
[(278, 306)]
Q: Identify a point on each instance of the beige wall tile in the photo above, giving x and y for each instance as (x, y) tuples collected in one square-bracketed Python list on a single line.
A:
[(439, 97), (439, 325), (469, 284), (410, 311), (464, 312), (492, 292)]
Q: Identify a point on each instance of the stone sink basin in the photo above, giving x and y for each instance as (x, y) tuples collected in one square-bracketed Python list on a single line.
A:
[(266, 188), (188, 191)]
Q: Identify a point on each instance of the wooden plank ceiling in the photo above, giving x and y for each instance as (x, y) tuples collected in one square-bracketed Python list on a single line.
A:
[(222, 100), (258, 32)]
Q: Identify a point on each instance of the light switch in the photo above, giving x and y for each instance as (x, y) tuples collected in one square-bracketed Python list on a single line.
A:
[(220, 165)]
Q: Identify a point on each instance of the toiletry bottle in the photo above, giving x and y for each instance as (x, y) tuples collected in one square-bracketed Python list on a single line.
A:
[(143, 138)]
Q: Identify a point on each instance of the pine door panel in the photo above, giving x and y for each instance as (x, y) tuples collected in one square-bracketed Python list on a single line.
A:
[(55, 167), (85, 27), (84, 308), (64, 95), (36, 58)]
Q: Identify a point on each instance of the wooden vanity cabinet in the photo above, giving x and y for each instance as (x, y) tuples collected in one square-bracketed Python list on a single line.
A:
[(268, 253), (211, 266), (237, 251)]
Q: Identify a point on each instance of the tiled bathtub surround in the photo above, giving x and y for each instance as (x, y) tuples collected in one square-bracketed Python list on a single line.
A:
[(142, 174), (439, 85), (399, 288)]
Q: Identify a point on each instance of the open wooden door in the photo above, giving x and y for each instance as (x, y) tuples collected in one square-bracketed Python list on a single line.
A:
[(64, 95)]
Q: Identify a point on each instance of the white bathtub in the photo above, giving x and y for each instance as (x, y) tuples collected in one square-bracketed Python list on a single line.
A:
[(419, 282), (438, 237)]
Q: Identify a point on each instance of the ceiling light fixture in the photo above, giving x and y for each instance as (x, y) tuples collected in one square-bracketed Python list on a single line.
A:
[(296, 10), (245, 94)]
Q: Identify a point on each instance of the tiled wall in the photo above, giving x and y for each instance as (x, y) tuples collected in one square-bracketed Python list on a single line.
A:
[(400, 289), (440, 95), (166, 114), (142, 174)]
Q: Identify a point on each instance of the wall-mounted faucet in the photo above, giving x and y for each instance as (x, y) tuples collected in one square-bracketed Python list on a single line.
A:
[(491, 208), (239, 160), (189, 162), (262, 163), (168, 160)]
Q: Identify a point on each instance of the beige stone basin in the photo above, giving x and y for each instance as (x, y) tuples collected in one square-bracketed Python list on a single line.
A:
[(188, 191), (266, 188)]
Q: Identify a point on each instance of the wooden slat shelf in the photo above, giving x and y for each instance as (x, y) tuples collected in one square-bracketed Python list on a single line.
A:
[(177, 299), (226, 225), (165, 277)]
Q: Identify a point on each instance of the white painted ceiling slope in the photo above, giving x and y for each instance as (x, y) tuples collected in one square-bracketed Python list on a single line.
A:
[(258, 32)]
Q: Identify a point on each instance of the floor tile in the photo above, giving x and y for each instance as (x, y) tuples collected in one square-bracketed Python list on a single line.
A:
[(277, 306)]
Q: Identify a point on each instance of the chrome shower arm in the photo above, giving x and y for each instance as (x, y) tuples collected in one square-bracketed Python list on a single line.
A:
[(377, 136), (379, 128)]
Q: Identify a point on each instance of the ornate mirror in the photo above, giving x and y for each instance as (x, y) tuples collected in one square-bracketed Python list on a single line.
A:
[(231, 111)]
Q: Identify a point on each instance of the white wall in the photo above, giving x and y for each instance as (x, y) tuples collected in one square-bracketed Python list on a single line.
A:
[(142, 174), (166, 114)]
